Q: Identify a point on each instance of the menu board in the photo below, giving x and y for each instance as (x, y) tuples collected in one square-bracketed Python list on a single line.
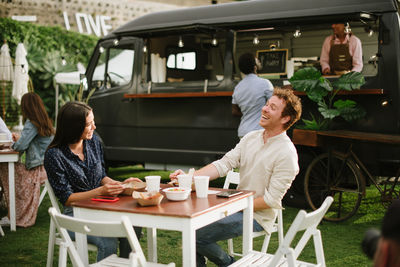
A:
[(273, 61)]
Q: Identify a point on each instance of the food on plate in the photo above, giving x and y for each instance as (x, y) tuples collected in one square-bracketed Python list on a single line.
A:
[(135, 185), (147, 198)]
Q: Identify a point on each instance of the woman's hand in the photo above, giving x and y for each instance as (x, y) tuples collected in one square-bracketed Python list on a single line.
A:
[(112, 188), (15, 137), (131, 179)]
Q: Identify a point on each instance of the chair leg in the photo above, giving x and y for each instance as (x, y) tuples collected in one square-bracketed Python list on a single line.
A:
[(1, 231), (319, 250), (52, 240), (62, 257), (44, 191), (265, 243), (230, 247)]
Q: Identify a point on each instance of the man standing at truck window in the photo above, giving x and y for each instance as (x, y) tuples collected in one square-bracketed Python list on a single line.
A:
[(341, 52), (268, 164), (250, 95)]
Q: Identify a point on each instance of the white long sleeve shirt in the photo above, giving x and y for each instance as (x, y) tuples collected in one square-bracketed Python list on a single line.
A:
[(268, 169)]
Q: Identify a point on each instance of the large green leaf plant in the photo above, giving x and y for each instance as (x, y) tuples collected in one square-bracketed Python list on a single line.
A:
[(324, 93)]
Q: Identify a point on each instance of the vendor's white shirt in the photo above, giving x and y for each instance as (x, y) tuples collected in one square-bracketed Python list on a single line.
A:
[(268, 169)]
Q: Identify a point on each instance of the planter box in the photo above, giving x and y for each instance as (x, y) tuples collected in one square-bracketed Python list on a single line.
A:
[(306, 138)]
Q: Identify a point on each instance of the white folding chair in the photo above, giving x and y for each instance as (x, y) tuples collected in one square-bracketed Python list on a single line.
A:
[(121, 228), (42, 194), (286, 255), (1, 231), (54, 236), (234, 178)]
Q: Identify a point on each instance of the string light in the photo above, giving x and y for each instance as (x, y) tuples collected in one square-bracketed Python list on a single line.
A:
[(180, 42), (116, 42), (256, 41), (347, 28), (214, 41), (63, 61), (101, 50), (297, 33)]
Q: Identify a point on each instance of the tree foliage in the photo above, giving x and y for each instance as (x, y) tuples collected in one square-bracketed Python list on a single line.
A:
[(46, 46)]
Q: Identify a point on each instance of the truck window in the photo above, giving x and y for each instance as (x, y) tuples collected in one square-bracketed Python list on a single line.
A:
[(114, 67), (186, 60), (182, 61)]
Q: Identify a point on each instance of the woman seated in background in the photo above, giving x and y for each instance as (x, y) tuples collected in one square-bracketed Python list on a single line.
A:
[(34, 139), (75, 167)]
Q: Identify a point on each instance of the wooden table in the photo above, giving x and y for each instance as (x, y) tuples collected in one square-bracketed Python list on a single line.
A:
[(184, 216), (10, 157)]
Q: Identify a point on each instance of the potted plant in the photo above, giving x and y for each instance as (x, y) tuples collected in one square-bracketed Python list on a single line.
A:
[(321, 91), (324, 93)]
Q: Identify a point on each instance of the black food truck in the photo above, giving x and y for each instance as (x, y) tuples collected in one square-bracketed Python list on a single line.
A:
[(163, 82)]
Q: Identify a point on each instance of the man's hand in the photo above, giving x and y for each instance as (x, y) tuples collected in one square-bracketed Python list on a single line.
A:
[(174, 175)]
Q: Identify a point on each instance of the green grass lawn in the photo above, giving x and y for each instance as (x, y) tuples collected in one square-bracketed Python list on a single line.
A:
[(28, 246)]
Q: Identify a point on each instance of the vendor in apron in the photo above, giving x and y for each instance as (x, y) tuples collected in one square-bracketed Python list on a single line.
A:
[(341, 52)]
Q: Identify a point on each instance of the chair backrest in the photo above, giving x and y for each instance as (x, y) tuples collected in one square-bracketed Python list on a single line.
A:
[(231, 178), (52, 196), (121, 228), (308, 222)]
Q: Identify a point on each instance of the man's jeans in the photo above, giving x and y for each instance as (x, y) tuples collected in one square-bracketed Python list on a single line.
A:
[(106, 246), (226, 228)]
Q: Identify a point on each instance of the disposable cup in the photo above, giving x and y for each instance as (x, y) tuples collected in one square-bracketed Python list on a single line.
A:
[(201, 184), (153, 183), (185, 181)]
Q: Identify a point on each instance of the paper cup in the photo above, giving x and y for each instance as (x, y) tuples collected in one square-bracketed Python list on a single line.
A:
[(153, 183), (201, 184), (185, 181)]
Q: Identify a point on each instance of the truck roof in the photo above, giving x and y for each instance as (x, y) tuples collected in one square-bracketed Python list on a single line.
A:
[(249, 13)]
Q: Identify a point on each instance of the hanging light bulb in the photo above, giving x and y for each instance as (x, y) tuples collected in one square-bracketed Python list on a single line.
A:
[(297, 33), (347, 28), (180, 42), (116, 42), (370, 32), (101, 50), (214, 41), (23, 71), (144, 49), (256, 41), (63, 61)]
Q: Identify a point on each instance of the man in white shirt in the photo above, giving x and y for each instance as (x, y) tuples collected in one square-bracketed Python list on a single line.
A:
[(268, 164)]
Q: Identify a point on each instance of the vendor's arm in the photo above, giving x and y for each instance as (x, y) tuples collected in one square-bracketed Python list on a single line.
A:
[(357, 54), (324, 58)]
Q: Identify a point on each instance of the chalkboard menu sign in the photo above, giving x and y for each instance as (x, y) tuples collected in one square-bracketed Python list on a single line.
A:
[(272, 61)]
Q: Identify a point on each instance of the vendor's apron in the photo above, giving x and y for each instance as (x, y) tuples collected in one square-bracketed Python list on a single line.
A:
[(340, 60)]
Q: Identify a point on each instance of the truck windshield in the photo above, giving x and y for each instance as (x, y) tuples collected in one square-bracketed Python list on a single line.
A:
[(117, 70)]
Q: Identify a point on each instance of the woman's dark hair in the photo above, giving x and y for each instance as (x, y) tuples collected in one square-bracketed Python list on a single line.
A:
[(247, 62), (71, 122), (32, 108)]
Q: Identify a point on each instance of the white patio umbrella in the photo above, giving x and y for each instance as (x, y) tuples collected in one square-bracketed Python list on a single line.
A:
[(6, 71), (21, 77)]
